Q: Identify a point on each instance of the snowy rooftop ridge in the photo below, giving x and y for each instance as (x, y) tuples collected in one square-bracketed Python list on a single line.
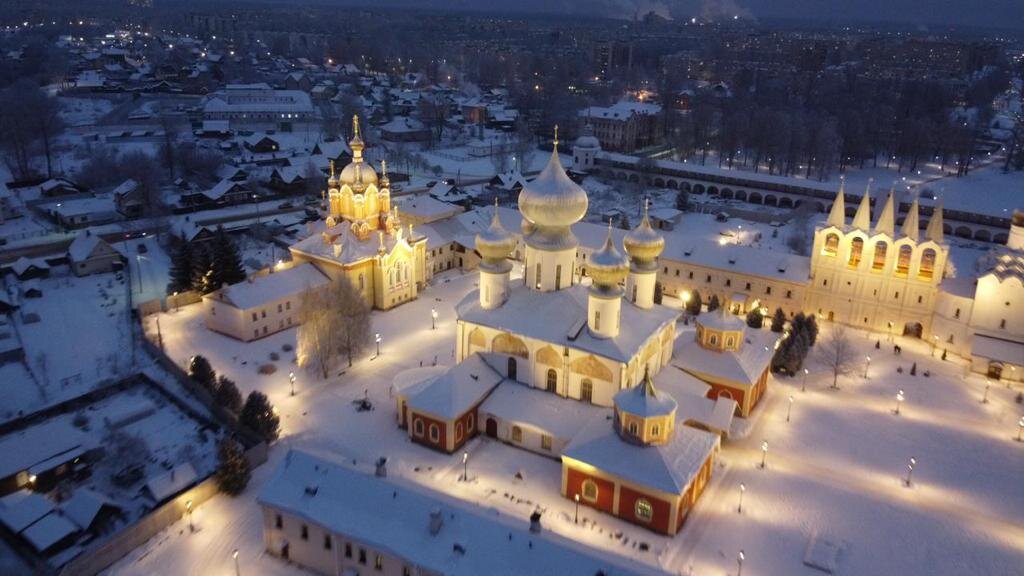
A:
[(394, 515), (263, 290)]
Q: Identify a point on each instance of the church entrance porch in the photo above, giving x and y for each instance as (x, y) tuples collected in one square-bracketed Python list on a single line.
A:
[(913, 329), (492, 428)]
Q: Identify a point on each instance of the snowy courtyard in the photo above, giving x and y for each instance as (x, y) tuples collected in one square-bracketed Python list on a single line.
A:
[(835, 472)]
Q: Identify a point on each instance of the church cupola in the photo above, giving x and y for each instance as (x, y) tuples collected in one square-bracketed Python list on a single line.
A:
[(720, 331), (551, 203), (644, 415), (608, 268), (585, 149), (494, 244), (643, 245)]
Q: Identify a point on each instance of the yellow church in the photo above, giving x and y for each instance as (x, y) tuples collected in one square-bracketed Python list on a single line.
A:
[(362, 238)]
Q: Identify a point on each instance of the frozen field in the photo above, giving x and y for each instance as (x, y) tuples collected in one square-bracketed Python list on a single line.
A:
[(835, 470)]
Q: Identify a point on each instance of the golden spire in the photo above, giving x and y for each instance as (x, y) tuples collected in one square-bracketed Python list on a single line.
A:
[(556, 136), (332, 169), (355, 126)]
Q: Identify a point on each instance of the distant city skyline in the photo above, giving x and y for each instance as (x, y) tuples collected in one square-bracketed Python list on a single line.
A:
[(1006, 14)]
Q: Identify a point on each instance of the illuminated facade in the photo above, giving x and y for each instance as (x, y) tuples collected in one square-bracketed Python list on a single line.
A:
[(362, 238)]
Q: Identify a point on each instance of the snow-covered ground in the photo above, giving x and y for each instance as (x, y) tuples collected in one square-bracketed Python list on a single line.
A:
[(834, 470)]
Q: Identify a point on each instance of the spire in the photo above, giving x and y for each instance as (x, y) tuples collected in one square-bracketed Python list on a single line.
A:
[(934, 230), (837, 216), (356, 143), (556, 136), (647, 386), (887, 219), (862, 219), (912, 225), (332, 169), (384, 180)]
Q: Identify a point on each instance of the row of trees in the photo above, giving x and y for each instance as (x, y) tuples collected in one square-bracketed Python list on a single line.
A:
[(791, 353), (30, 123), (205, 268), (335, 324)]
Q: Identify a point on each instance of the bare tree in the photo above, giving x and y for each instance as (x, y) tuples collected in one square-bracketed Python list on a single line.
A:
[(837, 354), (500, 159), (335, 323), (524, 145)]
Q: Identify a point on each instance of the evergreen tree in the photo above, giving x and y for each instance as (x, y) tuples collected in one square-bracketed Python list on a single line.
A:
[(181, 266), (227, 395), (258, 415), (714, 304), (755, 319), (683, 201), (695, 304), (201, 270), (232, 468), (624, 222), (200, 371), (225, 261), (812, 329), (778, 320)]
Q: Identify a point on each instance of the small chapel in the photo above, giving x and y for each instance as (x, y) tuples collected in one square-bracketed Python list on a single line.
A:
[(362, 239)]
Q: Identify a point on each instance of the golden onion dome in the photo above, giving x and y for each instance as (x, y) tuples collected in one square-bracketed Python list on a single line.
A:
[(552, 199), (495, 243), (608, 266), (358, 172), (642, 243)]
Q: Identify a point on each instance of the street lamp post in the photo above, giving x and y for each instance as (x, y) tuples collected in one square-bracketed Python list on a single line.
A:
[(291, 379), (803, 387), (984, 397), (433, 319), (376, 339), (910, 471), (576, 519), (739, 563), (789, 409), (188, 510), (743, 489), (866, 367), (234, 555), (899, 401), (1020, 428), (764, 454), (465, 466), (935, 344)]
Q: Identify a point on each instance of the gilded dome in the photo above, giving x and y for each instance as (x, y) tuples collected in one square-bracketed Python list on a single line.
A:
[(552, 200), (358, 172), (608, 266), (642, 243), (495, 243)]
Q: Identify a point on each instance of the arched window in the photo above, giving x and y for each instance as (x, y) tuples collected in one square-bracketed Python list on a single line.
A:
[(517, 434), (856, 250), (878, 262), (831, 244), (470, 422), (634, 429), (435, 433), (729, 342), (417, 427), (552, 380), (537, 276), (558, 277), (512, 368), (643, 510), (655, 430), (903, 260), (589, 490), (587, 390), (362, 282), (927, 268), (458, 432), (713, 340)]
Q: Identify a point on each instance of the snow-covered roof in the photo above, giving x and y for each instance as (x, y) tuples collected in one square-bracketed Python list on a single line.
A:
[(32, 446), (394, 516), (644, 400), (745, 365), (171, 482), (257, 98), (521, 404), (83, 246), (998, 349), (720, 319), (20, 509), (620, 110), (49, 530), (261, 290), (560, 317), (21, 265), (425, 207), (84, 206), (743, 259), (667, 467), (83, 506), (400, 124), (352, 248), (125, 187), (451, 393)]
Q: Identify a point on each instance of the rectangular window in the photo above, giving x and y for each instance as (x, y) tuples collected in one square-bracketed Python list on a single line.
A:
[(256, 333), (406, 571), (378, 562), (690, 275), (957, 313), (708, 279), (278, 521), (768, 290), (348, 549), (280, 308), (254, 317), (728, 282), (545, 442), (327, 541), (263, 313), (597, 320), (305, 532), (362, 555), (748, 286)]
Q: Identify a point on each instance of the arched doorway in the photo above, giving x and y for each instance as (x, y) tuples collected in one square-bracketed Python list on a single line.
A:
[(492, 428), (913, 329), (587, 390), (552, 380), (513, 368), (995, 370)]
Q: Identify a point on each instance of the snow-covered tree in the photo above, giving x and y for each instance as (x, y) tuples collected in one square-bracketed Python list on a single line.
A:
[(778, 320), (182, 263), (258, 415), (755, 319), (227, 395), (838, 354), (714, 303), (335, 323), (232, 468), (200, 371), (225, 261)]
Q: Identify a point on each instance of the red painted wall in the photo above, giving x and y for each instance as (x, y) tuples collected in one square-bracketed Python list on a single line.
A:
[(467, 432), (425, 439), (684, 502), (662, 509), (605, 490), (736, 393)]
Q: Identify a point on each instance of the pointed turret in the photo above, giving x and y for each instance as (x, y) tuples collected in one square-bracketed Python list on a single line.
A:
[(887, 219), (607, 267), (837, 216), (934, 230), (862, 219), (356, 143), (912, 225)]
